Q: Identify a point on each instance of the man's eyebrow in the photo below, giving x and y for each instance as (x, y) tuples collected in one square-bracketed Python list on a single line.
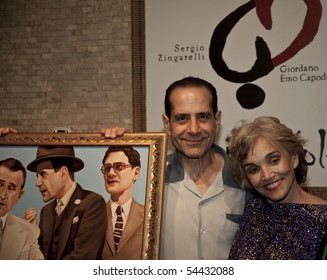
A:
[(12, 185), (42, 172), (180, 115), (207, 114)]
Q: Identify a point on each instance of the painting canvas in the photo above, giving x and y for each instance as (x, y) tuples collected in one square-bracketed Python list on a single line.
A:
[(91, 148)]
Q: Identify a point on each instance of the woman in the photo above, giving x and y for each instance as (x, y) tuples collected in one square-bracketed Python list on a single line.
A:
[(284, 221)]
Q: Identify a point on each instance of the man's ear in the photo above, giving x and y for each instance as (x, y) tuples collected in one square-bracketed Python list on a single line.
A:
[(64, 171), (137, 172), (218, 120), (21, 193), (166, 123)]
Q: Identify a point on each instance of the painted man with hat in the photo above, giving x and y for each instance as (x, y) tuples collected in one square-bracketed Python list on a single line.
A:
[(73, 224)]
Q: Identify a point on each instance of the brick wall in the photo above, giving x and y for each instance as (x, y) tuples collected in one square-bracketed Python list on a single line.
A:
[(65, 63)]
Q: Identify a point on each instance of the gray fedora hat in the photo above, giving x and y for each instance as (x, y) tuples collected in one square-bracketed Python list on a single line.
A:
[(45, 154)]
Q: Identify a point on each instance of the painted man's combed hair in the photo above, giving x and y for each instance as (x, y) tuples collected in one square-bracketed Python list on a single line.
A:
[(14, 165), (132, 154)]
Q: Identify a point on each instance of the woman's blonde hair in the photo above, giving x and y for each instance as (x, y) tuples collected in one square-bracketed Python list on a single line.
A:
[(242, 138)]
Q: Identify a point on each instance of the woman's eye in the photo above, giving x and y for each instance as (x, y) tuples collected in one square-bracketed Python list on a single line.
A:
[(274, 161), (251, 171)]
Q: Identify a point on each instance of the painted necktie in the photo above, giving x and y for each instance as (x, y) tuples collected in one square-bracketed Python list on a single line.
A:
[(118, 227), (59, 207)]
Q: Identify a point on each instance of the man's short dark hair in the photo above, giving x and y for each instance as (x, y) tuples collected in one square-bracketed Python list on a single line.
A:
[(132, 154), (191, 82)]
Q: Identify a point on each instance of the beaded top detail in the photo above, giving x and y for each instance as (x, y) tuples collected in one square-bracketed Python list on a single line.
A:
[(279, 231)]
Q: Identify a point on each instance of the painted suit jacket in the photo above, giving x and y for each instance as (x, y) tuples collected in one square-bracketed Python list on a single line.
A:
[(20, 240), (82, 232), (130, 244)]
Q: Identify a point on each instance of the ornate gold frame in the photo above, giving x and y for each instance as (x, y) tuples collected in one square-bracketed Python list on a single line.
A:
[(157, 144)]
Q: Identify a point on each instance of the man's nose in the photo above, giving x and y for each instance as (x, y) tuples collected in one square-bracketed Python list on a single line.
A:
[(194, 126), (112, 172), (38, 182), (3, 192)]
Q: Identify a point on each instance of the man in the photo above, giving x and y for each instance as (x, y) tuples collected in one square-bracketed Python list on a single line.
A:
[(73, 224), (202, 203), (121, 168), (18, 238)]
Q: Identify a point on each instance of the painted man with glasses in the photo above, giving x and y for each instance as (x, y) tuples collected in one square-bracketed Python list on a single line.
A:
[(121, 168)]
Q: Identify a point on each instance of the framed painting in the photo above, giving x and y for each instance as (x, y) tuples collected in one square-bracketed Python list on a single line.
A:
[(91, 149)]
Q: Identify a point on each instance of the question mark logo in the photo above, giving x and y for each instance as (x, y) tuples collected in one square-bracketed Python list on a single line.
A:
[(251, 96)]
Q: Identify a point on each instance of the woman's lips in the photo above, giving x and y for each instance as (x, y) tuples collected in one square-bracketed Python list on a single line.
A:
[(273, 186)]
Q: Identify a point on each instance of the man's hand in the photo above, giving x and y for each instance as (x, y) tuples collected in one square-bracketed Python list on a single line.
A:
[(6, 130), (113, 132), (31, 216)]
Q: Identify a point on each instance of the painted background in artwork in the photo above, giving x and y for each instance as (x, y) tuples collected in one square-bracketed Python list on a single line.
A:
[(90, 177)]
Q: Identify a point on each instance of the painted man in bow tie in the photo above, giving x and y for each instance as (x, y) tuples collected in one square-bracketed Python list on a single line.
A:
[(121, 168), (73, 223)]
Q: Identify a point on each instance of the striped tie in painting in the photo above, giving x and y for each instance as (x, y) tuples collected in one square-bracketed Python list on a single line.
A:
[(118, 227)]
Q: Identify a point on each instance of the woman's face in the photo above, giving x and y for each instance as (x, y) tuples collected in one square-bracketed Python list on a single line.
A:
[(270, 170)]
